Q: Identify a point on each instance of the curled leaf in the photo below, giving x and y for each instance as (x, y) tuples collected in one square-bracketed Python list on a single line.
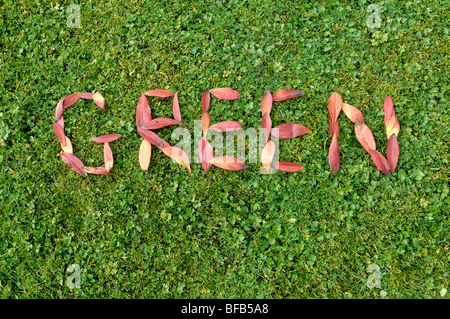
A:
[(105, 138), (289, 130), (266, 102), (352, 113), (159, 93), (99, 100), (73, 162), (288, 167), (228, 163), (86, 95), (381, 163), (284, 94), (108, 156), (267, 154), (392, 152), (96, 170), (145, 152), (206, 99), (176, 108), (178, 155), (226, 126), (225, 93), (365, 136), (205, 153), (266, 124), (143, 112), (390, 119)]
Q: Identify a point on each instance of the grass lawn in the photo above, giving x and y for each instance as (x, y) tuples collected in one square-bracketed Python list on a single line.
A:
[(166, 233)]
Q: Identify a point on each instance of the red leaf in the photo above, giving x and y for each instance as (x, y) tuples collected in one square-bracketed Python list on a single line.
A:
[(290, 130), (352, 113), (151, 137), (228, 162), (73, 162), (161, 122), (333, 155), (392, 152), (145, 152), (284, 94), (334, 129), (205, 123), (288, 167), (61, 122), (178, 155), (99, 100), (227, 126), (388, 108), (381, 163), (159, 93), (267, 154), (86, 95), (176, 108), (59, 131), (365, 136), (96, 170), (70, 99), (59, 109), (266, 102), (266, 124), (225, 93), (390, 119), (143, 112), (108, 156), (206, 99), (205, 153), (105, 138), (335, 106)]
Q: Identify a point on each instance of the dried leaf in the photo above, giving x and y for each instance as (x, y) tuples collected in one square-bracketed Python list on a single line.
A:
[(105, 138), (267, 154), (61, 122), (86, 95), (205, 153), (227, 126), (68, 146), (151, 137), (266, 102), (99, 100), (143, 112), (108, 156), (176, 108), (161, 122), (333, 155), (59, 132), (178, 155), (390, 119), (392, 152), (59, 109), (70, 100), (225, 93), (365, 136), (288, 167), (335, 106), (205, 123), (289, 130), (159, 93), (381, 163), (266, 124), (206, 99), (228, 163), (352, 112), (73, 162), (145, 152), (96, 170), (284, 94)]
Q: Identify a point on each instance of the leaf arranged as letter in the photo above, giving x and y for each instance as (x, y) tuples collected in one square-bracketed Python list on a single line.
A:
[(225, 93), (289, 130), (228, 162), (284, 94)]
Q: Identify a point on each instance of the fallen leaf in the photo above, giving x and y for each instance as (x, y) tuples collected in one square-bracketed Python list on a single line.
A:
[(61, 122), (143, 112), (228, 163), (108, 156), (266, 124), (266, 102), (289, 130), (288, 167), (352, 113), (390, 119), (284, 94), (333, 155), (365, 136), (205, 153), (267, 154), (70, 100), (145, 152), (59, 109), (335, 106), (105, 138), (206, 99), (176, 108), (151, 137), (96, 170), (67, 147), (392, 152), (99, 100), (59, 132), (227, 126), (161, 122), (334, 129), (178, 155), (159, 93), (225, 93), (381, 163), (205, 123), (86, 95), (73, 162)]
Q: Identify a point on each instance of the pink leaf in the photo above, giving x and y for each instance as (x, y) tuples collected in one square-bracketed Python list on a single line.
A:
[(290, 130), (70, 99), (267, 154), (86, 95), (225, 93), (159, 93), (99, 100), (266, 124), (176, 108), (143, 112), (96, 170), (178, 155), (59, 131), (108, 156), (228, 163), (381, 163), (105, 138), (205, 153), (392, 152), (286, 94), (333, 155), (227, 126), (160, 122), (73, 162), (206, 99), (288, 167)]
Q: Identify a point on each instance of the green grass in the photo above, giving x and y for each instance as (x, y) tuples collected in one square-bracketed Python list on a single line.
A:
[(168, 234)]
